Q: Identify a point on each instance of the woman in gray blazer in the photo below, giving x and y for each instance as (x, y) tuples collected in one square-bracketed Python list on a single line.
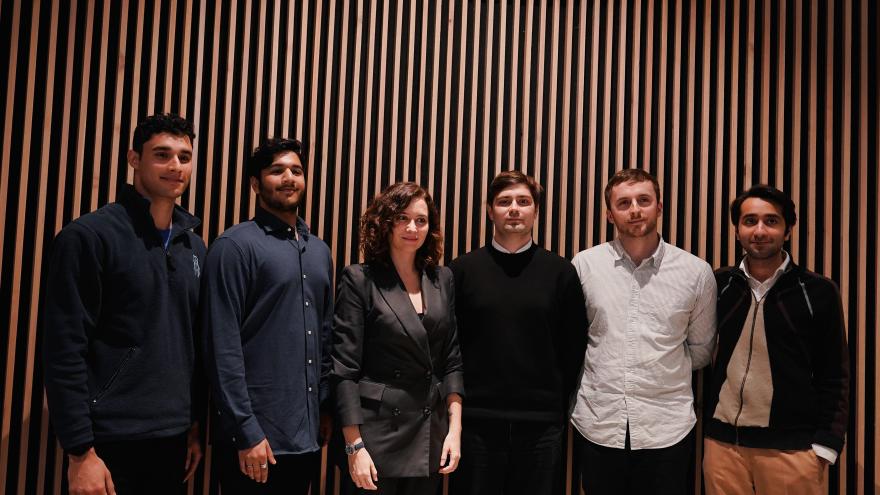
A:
[(396, 361)]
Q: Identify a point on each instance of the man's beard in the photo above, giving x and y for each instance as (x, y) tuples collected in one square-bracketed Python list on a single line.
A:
[(270, 201)]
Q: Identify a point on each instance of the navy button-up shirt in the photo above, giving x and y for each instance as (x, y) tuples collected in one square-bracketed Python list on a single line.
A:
[(267, 308)]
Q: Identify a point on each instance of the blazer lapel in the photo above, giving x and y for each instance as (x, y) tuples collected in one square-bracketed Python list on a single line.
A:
[(392, 290)]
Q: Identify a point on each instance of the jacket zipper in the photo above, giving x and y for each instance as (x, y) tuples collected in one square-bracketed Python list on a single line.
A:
[(742, 387), (116, 373)]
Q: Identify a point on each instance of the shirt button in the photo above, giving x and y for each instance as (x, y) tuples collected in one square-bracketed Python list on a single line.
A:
[(310, 389), (426, 411), (304, 275), (307, 303), (310, 361), (309, 332)]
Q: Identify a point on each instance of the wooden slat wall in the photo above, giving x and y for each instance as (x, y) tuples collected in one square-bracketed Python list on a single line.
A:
[(712, 96)]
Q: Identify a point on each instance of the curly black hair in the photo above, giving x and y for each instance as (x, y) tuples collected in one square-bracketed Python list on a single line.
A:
[(378, 221), (769, 194), (264, 154)]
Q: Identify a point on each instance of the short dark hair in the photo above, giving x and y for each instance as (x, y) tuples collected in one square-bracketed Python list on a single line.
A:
[(510, 178), (264, 154), (769, 194), (630, 175), (378, 220), (168, 123)]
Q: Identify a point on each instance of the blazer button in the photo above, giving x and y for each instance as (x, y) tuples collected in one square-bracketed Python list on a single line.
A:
[(396, 373), (395, 412), (428, 375), (426, 412)]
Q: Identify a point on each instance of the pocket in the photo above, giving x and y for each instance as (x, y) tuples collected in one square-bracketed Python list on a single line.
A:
[(108, 385)]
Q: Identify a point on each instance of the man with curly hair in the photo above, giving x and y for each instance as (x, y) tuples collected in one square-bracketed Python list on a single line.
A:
[(268, 309)]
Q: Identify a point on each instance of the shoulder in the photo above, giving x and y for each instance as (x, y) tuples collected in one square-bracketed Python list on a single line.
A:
[(686, 260), (817, 283), (592, 255), (469, 258)]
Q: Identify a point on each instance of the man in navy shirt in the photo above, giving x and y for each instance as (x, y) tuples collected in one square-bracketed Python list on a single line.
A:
[(267, 310)]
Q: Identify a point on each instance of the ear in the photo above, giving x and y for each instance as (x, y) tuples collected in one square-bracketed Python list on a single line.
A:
[(659, 208), (608, 216), (134, 159), (489, 213), (787, 233), (736, 232), (255, 185)]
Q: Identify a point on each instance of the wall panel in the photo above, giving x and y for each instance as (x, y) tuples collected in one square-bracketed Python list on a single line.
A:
[(711, 96)]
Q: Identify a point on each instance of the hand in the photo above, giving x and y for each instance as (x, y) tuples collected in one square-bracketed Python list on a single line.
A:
[(325, 429), (362, 470), (193, 452), (254, 462), (451, 451), (87, 475)]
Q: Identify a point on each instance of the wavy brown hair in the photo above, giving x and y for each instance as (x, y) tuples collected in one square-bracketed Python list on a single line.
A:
[(378, 221)]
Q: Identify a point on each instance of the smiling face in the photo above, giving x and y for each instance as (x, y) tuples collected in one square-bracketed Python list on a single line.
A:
[(634, 209), (164, 167), (281, 186), (761, 229), (410, 228)]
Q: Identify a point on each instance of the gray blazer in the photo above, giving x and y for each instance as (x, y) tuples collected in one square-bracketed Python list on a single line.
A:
[(392, 370)]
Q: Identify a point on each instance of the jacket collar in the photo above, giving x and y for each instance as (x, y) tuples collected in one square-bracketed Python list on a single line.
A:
[(392, 290), (138, 208)]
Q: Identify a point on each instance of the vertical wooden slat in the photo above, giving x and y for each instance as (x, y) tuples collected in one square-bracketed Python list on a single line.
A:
[(661, 101), (227, 161), (408, 99), (565, 128), (487, 117), (703, 246), (811, 223), (672, 206), (328, 82), (499, 90), (828, 165), (212, 122), (526, 87), (861, 330), (184, 59), (380, 120), (243, 70), (780, 95), (606, 103), (689, 138), (169, 55), (299, 131), (765, 96), (472, 126), (435, 96), (447, 153), (579, 165), (797, 119), (289, 49), (732, 150), (368, 164), (273, 71), (395, 98), (636, 65), (514, 129), (459, 149), (340, 111), (593, 211), (195, 118), (154, 57), (85, 116), (647, 130), (749, 103), (117, 160), (620, 119), (422, 103), (98, 117), (551, 125), (720, 116), (351, 220)]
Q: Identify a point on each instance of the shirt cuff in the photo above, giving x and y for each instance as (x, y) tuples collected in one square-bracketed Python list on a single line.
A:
[(826, 453)]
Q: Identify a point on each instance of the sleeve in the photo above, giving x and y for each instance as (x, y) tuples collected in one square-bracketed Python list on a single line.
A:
[(327, 340), (573, 330), (348, 346), (453, 375), (831, 371), (702, 323), (224, 291), (71, 308)]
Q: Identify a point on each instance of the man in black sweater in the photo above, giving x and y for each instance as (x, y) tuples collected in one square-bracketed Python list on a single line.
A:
[(119, 316), (523, 333)]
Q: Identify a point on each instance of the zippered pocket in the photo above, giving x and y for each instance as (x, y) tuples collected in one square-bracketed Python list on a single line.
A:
[(109, 384)]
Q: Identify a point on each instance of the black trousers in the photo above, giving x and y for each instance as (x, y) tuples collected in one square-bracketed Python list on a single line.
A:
[(291, 475), (509, 457), (611, 471), (142, 466)]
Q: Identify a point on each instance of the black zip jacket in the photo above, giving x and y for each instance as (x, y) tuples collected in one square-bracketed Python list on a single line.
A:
[(119, 315), (808, 354)]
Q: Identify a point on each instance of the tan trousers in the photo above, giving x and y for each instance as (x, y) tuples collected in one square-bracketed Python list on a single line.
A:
[(735, 470)]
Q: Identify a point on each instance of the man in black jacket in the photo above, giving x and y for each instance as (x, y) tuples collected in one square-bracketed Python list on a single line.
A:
[(119, 317), (777, 414)]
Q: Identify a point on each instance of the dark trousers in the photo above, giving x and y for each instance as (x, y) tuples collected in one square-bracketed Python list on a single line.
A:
[(611, 471), (142, 466), (509, 457), (428, 485), (291, 475)]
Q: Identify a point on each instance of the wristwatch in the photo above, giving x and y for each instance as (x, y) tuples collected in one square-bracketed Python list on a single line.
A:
[(351, 448)]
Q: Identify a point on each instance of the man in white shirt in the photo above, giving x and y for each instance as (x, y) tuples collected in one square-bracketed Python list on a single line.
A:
[(777, 413), (651, 308)]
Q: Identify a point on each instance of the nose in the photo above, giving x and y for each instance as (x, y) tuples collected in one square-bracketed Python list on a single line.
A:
[(174, 163)]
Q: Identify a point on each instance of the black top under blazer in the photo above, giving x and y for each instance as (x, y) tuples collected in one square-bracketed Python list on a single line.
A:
[(392, 370)]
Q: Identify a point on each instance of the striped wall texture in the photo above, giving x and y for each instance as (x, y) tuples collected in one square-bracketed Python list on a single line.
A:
[(710, 96)]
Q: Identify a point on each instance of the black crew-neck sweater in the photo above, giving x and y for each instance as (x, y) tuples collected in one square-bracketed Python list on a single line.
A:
[(522, 328)]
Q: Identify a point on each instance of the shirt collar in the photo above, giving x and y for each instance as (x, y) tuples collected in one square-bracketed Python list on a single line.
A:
[(656, 257), (753, 282), (271, 223), (503, 249)]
